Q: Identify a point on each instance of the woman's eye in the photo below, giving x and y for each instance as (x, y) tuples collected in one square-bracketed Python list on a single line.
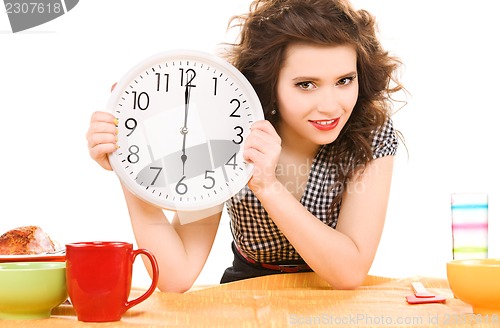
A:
[(307, 85), (346, 80)]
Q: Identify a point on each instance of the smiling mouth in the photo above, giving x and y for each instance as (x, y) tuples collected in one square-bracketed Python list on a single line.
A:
[(325, 124), (329, 122)]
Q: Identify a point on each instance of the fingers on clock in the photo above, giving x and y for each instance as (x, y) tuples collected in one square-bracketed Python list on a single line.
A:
[(100, 138), (101, 150), (263, 137), (260, 145), (100, 116), (266, 127), (101, 133)]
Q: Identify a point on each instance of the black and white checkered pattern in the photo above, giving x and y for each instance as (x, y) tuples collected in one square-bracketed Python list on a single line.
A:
[(255, 233)]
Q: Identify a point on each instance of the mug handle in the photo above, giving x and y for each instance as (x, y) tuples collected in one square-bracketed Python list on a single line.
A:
[(154, 283)]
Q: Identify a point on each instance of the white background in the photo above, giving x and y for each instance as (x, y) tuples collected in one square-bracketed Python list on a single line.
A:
[(52, 77)]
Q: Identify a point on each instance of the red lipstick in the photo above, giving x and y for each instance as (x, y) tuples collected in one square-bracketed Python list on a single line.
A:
[(325, 125)]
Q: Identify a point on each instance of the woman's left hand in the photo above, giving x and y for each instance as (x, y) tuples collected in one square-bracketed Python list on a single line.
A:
[(262, 148)]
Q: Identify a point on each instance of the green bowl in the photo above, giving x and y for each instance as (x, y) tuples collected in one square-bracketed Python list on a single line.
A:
[(30, 290)]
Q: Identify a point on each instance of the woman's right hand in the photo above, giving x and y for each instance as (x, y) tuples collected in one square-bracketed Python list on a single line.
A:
[(101, 137)]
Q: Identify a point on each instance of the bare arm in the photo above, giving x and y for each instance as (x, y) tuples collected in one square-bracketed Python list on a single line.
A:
[(181, 250), (342, 256)]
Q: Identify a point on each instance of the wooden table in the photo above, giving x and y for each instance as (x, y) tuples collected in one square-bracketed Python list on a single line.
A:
[(288, 300)]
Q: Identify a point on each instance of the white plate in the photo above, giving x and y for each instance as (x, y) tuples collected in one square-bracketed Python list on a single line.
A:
[(56, 257)]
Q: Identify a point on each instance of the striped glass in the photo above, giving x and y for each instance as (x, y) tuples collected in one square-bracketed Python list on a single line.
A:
[(469, 225)]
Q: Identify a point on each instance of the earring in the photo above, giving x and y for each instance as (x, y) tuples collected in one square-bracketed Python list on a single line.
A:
[(275, 110)]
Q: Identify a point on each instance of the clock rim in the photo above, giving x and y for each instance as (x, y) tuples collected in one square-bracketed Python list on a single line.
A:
[(147, 63)]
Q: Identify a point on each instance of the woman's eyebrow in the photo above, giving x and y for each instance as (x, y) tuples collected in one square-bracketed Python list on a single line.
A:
[(313, 78)]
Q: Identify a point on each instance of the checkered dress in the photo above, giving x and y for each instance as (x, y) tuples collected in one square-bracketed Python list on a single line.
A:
[(255, 233)]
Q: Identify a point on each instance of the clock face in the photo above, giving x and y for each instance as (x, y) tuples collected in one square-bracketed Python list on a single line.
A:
[(183, 120)]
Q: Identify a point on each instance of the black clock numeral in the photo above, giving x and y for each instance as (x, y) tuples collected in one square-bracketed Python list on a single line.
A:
[(141, 100), (133, 157), (181, 188), (157, 174), (238, 104), (190, 75), (239, 134), (130, 124), (232, 162), (159, 82), (215, 86), (210, 179)]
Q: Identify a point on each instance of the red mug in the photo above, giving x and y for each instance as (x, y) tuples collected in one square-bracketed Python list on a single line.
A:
[(99, 279)]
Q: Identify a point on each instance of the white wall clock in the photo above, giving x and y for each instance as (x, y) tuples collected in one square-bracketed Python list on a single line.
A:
[(183, 119)]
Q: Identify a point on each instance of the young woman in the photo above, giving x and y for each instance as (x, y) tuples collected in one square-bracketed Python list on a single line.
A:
[(323, 157)]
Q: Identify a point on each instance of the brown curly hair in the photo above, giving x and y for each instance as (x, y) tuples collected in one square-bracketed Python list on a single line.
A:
[(271, 25)]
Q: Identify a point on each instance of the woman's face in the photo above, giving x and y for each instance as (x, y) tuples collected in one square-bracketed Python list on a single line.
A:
[(316, 91)]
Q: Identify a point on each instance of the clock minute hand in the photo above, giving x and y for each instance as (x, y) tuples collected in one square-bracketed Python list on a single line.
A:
[(183, 156)]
